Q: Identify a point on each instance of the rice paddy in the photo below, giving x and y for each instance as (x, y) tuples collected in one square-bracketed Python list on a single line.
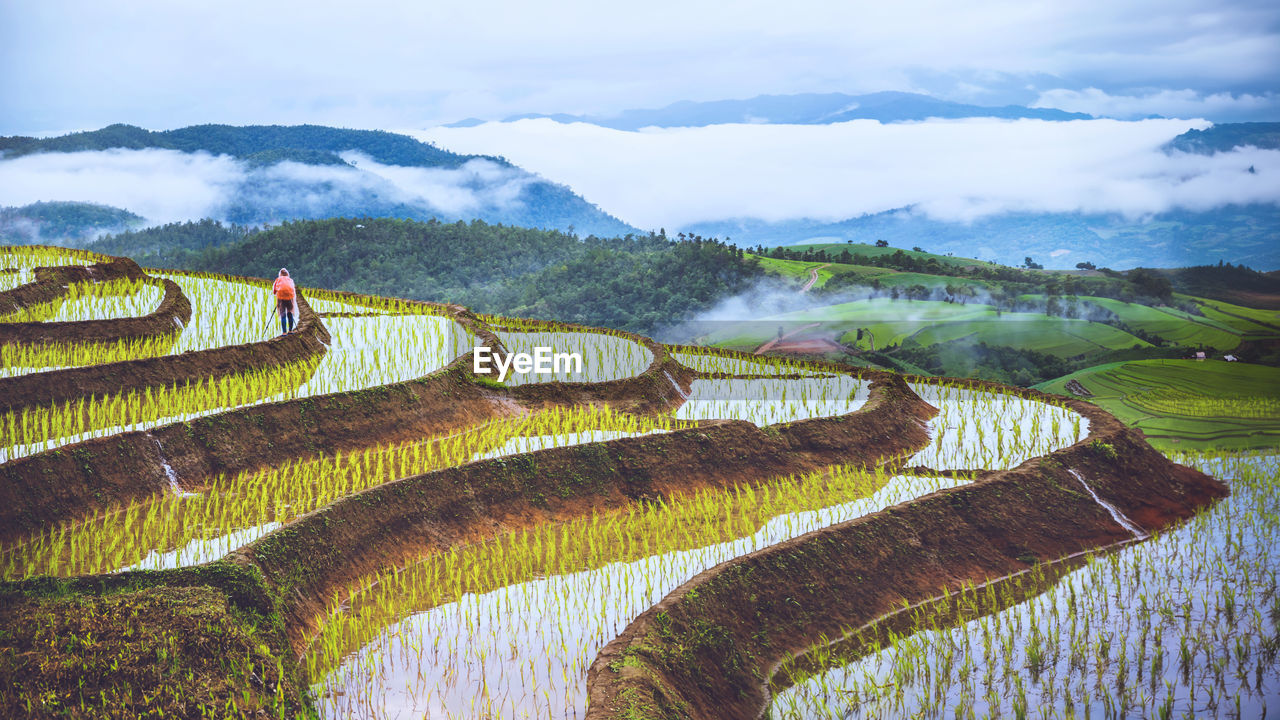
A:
[(508, 629), (767, 401), (712, 362), (1182, 624), (604, 356), (186, 528), (980, 429)]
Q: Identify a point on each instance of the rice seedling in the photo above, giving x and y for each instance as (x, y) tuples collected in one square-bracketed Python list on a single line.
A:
[(20, 359), (189, 528), (22, 259), (365, 352), (509, 627), (1185, 624), (990, 430), (604, 356), (328, 301), (32, 430), (96, 301), (712, 361), (766, 401)]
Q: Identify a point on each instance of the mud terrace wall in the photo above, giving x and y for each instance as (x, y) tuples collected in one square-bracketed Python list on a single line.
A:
[(43, 389), (709, 649), (83, 479), (389, 525), (168, 318), (51, 282)]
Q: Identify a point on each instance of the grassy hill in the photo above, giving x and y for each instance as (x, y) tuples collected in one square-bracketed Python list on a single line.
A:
[(1187, 404)]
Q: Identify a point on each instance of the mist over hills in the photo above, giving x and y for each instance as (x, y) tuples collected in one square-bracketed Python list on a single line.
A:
[(68, 222), (258, 175), (268, 174), (1242, 234), (799, 109)]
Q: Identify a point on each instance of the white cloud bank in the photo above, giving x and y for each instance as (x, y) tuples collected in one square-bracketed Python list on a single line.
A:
[(169, 186), (160, 185), (953, 170), (1167, 103)]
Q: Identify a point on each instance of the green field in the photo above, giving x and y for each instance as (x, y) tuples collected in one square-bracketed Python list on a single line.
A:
[(1188, 404), (893, 322), (1173, 325), (1251, 322)]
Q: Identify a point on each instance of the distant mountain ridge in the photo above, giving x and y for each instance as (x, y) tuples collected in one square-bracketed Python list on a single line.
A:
[(1224, 137), (800, 109), (1248, 234), (52, 222), (270, 190)]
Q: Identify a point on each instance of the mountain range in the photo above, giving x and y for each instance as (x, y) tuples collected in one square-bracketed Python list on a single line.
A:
[(311, 172), (799, 109)]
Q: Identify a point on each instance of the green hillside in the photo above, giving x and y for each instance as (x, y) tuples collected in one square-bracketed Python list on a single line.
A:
[(633, 283), (1187, 404)]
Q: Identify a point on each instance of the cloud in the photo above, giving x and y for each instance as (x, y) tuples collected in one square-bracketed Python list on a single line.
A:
[(75, 63), (477, 184), (160, 185), (1168, 103), (168, 186), (950, 170)]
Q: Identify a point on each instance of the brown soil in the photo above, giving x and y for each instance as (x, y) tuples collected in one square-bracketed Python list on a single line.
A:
[(705, 657), (168, 318), (51, 282), (809, 346), (190, 643), (87, 478), (392, 524), (47, 388), (708, 648)]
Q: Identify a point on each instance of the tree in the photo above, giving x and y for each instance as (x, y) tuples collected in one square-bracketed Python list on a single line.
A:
[(1086, 266), (882, 243)]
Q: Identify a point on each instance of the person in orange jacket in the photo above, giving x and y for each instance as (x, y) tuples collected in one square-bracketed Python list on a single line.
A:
[(285, 292)]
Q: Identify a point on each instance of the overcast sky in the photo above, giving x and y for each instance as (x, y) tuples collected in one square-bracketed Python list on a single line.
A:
[(70, 65)]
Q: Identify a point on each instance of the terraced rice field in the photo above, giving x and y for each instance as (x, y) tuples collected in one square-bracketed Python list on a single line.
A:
[(1188, 404), (364, 527)]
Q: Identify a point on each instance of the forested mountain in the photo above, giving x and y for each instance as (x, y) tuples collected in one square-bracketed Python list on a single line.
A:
[(69, 223), (802, 109), (1225, 136), (634, 283), (311, 144), (312, 172), (1247, 234)]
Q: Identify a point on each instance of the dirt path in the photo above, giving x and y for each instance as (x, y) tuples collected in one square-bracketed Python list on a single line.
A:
[(765, 347), (813, 277)]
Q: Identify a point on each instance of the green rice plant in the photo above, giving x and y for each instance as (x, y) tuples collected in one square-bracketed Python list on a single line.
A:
[(129, 297), (979, 428), (17, 261), (769, 400), (18, 359), (512, 624), (1200, 593), (186, 528), (714, 360), (31, 430)]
